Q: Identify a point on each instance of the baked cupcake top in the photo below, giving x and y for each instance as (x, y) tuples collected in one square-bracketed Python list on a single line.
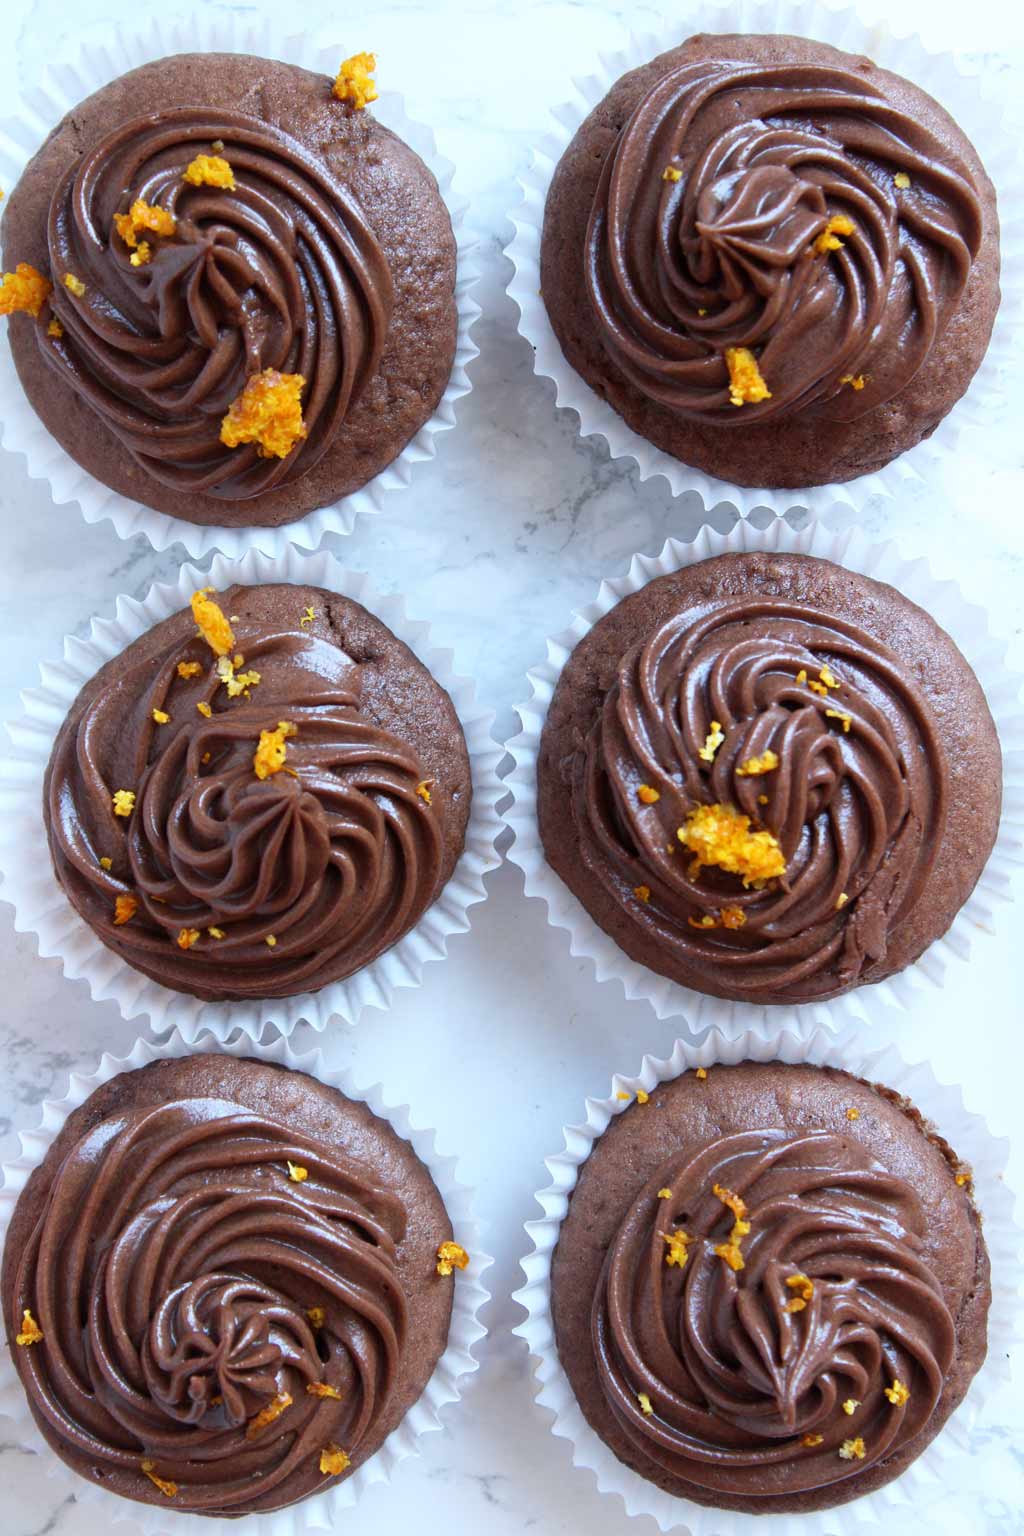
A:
[(778, 262), (788, 1288), (764, 779), (773, 236), (214, 257), (221, 1287), (258, 797)]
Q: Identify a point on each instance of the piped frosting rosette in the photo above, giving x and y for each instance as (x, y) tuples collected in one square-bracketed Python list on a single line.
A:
[(751, 1340), (784, 263), (208, 250), (271, 845), (240, 1382), (787, 235), (279, 255), (232, 819), (734, 722), (765, 1319), (735, 787), (257, 1266)]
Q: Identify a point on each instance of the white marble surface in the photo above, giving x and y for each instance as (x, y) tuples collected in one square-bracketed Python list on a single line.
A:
[(510, 527)]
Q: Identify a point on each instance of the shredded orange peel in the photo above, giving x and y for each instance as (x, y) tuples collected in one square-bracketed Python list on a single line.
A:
[(746, 384), (898, 1393), (645, 1404), (730, 1250), (811, 1441), (234, 681), (728, 917), (210, 171), (671, 173), (270, 754), (267, 1415), (855, 380), (767, 762), (296, 1172), (902, 180), (74, 284), (712, 742), (317, 1317), (31, 1333), (125, 908), (853, 1113), (450, 1257), (123, 802), (187, 937), (333, 1460), (720, 835), (268, 413), (24, 291), (804, 1288), (678, 1243), (354, 82), (829, 240), (190, 668), (642, 892), (423, 790), (853, 1450), (166, 1487), (647, 795), (141, 218), (321, 1389), (213, 627)]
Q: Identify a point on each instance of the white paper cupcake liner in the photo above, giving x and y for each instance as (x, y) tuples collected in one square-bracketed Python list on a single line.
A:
[(966, 624), (985, 406), (935, 1473), (86, 66), (41, 907), (324, 1511)]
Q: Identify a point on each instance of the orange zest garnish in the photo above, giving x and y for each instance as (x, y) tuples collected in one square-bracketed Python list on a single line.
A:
[(24, 291), (730, 1251), (354, 82), (142, 217), (270, 754), (31, 1333), (187, 937), (268, 413), (451, 1256), (648, 796), (678, 1243), (898, 1394), (828, 240), (212, 626), (720, 835), (189, 668), (124, 802), (766, 763), (423, 790), (321, 1389), (166, 1487), (267, 1415), (746, 386), (853, 1450), (210, 171), (712, 742), (125, 908), (333, 1460)]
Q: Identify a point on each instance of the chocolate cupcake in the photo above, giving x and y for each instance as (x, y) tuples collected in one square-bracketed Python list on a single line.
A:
[(225, 1285), (259, 796), (770, 1289), (234, 289), (775, 261), (769, 778)]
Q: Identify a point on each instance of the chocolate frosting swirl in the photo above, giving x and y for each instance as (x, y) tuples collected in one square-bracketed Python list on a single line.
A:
[(173, 1269), (678, 270), (734, 1379), (282, 272), (332, 859), (858, 812)]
